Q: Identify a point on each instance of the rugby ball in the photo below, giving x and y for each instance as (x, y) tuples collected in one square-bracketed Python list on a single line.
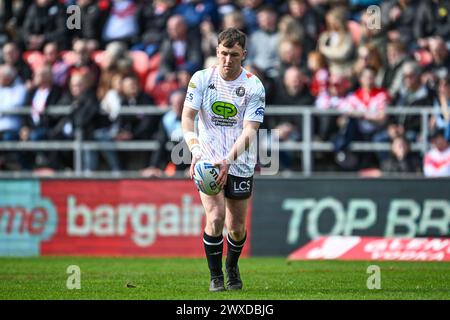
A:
[(205, 177)]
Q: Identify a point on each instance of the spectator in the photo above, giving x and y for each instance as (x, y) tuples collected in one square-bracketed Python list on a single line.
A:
[(290, 55), (396, 57), (180, 48), (12, 96), (317, 65), (333, 98), (13, 57), (122, 22), (116, 60), (169, 132), (208, 40), (140, 126), (36, 127), (412, 93), (264, 42), (369, 56), (437, 160), (432, 19), (371, 35), (292, 89), (336, 43), (401, 160), (195, 12), (107, 128), (92, 19), (155, 17), (309, 20), (60, 70), (250, 10), (234, 19), (398, 18), (135, 127), (83, 115), (366, 110), (441, 116), (11, 19), (45, 21), (83, 61), (440, 65)]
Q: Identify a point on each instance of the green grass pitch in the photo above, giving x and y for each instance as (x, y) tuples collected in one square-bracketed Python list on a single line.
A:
[(187, 279)]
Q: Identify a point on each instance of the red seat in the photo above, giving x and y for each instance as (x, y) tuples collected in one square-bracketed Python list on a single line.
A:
[(35, 59), (69, 57), (141, 65)]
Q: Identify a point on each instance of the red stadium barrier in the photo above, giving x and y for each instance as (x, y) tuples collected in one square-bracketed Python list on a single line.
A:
[(102, 218), (374, 248)]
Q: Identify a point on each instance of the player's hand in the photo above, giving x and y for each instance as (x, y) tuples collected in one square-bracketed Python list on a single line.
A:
[(223, 172), (195, 157)]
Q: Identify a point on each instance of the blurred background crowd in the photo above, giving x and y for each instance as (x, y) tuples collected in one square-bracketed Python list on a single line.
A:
[(323, 54)]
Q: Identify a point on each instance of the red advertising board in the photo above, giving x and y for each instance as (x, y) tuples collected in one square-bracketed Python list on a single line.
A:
[(374, 248), (126, 218)]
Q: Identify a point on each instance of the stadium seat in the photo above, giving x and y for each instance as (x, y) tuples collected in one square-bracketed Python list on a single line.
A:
[(69, 57), (98, 56), (141, 65), (35, 59)]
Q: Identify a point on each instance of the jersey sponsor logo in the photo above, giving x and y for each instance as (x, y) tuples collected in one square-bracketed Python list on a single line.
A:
[(259, 111), (226, 111), (212, 86), (240, 91), (190, 96), (192, 85)]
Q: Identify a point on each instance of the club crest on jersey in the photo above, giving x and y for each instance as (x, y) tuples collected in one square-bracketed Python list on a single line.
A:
[(259, 111), (240, 91), (225, 111)]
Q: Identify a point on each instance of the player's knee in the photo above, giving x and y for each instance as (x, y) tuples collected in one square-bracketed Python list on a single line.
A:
[(215, 226), (237, 234)]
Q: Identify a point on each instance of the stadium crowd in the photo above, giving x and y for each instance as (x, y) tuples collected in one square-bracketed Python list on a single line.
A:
[(325, 54)]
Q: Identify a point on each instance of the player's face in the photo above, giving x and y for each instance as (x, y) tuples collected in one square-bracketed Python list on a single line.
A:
[(230, 60)]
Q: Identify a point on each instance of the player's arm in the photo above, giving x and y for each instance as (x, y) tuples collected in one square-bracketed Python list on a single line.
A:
[(241, 144), (191, 138)]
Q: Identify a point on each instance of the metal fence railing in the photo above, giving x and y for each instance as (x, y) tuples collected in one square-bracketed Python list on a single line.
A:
[(307, 146)]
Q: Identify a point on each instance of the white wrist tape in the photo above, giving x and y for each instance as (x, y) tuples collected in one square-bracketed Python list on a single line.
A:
[(196, 151)]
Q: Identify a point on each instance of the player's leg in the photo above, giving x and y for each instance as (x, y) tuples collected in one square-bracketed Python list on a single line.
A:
[(213, 238), (237, 193)]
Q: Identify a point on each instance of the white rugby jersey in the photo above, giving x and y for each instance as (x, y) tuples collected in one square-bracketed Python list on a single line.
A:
[(223, 106)]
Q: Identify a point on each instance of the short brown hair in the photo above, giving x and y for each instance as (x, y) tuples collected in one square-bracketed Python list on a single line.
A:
[(229, 37)]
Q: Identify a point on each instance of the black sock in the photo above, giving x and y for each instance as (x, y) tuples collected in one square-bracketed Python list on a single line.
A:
[(234, 251), (214, 250)]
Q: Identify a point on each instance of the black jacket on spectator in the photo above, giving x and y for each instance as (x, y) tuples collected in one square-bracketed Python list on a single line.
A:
[(281, 97), (424, 97), (433, 19), (45, 120), (409, 164), (193, 54), (92, 21), (154, 25), (404, 24), (49, 21), (85, 112), (140, 126)]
